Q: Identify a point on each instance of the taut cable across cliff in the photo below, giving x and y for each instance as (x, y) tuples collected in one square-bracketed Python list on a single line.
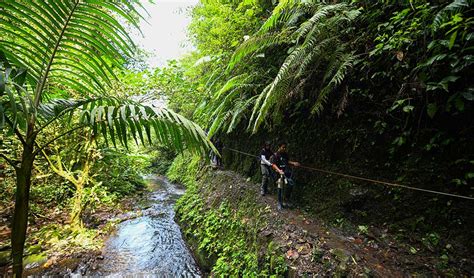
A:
[(365, 179)]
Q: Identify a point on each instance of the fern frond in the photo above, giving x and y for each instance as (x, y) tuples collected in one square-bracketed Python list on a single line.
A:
[(317, 17), (344, 65), (278, 87), (238, 112), (257, 44), (316, 53), (454, 7), (281, 12)]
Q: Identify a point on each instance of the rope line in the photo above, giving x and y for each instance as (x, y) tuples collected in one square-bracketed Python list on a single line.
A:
[(366, 179)]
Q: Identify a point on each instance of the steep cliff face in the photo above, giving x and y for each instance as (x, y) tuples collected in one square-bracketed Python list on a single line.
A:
[(235, 231), (355, 144)]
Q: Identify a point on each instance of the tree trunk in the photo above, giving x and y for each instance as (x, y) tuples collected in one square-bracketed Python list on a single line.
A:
[(76, 213), (20, 216), (81, 181)]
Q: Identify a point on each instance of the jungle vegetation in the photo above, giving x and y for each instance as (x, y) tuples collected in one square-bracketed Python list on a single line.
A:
[(406, 65), (369, 88), (59, 66), (391, 81)]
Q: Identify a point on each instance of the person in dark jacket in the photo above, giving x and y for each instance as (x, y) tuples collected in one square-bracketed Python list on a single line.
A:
[(216, 160), (281, 163)]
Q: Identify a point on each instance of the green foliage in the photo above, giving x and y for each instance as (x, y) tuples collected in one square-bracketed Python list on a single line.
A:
[(227, 105), (375, 88), (61, 238), (309, 39), (79, 61), (403, 30), (227, 234), (78, 48), (161, 160), (175, 82), (221, 25), (53, 192), (120, 173), (305, 51), (184, 169), (429, 46), (61, 35), (222, 231)]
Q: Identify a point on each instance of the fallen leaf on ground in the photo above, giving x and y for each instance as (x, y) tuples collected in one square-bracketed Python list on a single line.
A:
[(304, 249), (292, 254)]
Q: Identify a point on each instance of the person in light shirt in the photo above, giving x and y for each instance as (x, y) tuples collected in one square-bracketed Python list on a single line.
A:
[(265, 167)]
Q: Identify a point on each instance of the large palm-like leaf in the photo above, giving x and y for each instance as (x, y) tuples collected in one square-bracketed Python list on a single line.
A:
[(73, 43), (76, 45), (117, 119)]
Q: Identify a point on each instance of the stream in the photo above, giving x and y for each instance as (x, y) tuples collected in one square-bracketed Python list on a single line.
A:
[(150, 245)]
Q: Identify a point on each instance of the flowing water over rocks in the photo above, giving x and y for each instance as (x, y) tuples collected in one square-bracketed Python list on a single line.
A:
[(150, 244)]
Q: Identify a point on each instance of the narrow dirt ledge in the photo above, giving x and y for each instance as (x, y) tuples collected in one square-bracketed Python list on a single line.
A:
[(310, 247)]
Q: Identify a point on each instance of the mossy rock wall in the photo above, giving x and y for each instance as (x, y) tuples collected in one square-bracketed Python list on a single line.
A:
[(351, 145), (222, 221)]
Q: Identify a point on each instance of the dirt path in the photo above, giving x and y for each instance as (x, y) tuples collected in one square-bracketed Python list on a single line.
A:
[(311, 247), (315, 249)]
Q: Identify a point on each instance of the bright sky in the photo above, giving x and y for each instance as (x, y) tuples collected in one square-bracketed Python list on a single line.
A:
[(165, 33)]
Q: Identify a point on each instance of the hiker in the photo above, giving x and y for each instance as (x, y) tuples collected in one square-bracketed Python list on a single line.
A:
[(216, 160), (281, 163), (265, 166)]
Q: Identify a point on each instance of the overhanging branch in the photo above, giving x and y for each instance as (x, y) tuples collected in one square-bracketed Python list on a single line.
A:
[(17, 132), (9, 161)]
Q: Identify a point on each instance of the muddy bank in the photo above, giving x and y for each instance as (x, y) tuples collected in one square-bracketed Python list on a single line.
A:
[(308, 246)]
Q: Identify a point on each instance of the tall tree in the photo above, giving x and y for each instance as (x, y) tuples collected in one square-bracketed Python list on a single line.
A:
[(62, 48)]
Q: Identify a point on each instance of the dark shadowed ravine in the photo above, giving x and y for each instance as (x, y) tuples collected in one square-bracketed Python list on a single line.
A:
[(150, 244)]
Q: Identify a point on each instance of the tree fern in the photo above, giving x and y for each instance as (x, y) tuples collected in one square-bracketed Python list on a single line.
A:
[(70, 38), (258, 44), (344, 64), (320, 13), (222, 105), (238, 112), (316, 37), (281, 13)]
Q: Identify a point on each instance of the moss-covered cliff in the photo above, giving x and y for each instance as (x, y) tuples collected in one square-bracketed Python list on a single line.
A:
[(234, 231)]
